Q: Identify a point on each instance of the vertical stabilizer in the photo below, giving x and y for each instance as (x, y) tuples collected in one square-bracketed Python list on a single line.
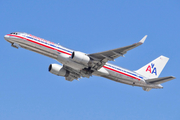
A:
[(154, 68)]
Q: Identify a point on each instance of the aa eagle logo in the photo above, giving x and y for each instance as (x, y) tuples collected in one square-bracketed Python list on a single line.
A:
[(152, 69)]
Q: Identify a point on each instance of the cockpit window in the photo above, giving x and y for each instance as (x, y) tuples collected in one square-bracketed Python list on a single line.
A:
[(14, 33)]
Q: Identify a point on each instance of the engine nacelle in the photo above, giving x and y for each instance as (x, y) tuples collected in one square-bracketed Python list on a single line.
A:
[(67, 60), (58, 70), (80, 57)]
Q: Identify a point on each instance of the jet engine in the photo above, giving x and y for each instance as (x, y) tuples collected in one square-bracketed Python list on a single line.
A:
[(80, 57), (58, 70)]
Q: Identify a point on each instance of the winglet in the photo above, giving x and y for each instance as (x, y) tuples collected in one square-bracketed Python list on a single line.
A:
[(143, 39)]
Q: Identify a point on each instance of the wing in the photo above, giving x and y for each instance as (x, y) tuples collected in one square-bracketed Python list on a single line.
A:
[(112, 54), (102, 57), (99, 60)]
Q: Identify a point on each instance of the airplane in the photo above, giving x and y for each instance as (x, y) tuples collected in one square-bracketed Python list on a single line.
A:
[(77, 64)]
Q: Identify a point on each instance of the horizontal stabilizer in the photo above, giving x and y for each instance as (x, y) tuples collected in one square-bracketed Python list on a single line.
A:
[(159, 80)]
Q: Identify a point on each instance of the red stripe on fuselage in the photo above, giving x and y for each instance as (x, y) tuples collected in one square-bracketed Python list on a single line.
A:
[(121, 72), (40, 44)]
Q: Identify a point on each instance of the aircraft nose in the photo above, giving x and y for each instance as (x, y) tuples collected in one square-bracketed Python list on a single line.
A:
[(6, 37)]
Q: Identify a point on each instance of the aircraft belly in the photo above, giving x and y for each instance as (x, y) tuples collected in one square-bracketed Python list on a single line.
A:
[(37, 48), (128, 80), (124, 79)]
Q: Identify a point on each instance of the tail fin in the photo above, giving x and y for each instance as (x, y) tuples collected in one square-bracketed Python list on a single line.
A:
[(154, 68)]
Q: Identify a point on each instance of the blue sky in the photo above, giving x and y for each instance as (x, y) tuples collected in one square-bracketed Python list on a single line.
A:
[(28, 91)]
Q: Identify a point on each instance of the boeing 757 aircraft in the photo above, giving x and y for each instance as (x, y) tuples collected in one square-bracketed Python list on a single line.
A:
[(77, 64)]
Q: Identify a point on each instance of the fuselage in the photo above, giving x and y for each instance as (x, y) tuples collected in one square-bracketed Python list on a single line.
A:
[(53, 50)]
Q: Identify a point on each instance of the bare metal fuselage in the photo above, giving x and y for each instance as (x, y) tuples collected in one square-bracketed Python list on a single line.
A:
[(63, 55)]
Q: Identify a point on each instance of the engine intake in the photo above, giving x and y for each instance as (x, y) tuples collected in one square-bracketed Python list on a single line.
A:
[(58, 70), (80, 57)]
